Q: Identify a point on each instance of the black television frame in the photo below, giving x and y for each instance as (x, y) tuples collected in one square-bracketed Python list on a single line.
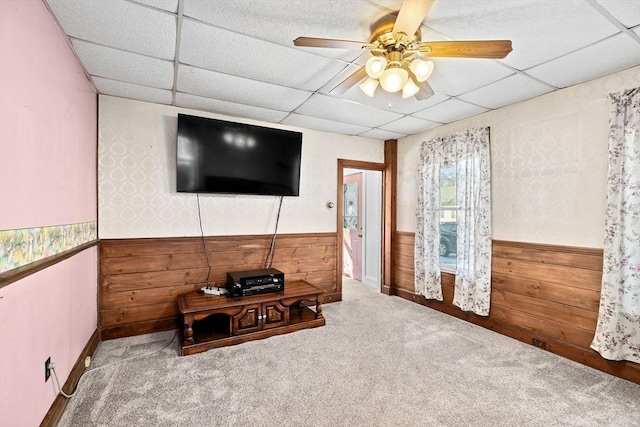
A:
[(268, 162)]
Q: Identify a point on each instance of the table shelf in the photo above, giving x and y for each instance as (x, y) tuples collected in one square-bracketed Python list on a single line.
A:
[(211, 321)]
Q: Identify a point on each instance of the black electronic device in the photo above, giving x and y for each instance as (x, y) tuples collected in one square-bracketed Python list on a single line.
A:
[(216, 156), (254, 282)]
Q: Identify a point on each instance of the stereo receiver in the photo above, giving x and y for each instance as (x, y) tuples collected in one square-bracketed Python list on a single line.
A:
[(253, 282)]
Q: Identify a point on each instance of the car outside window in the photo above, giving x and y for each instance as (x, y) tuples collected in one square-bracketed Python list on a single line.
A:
[(448, 219)]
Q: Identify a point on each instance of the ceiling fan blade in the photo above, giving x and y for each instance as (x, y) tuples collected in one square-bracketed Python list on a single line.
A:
[(347, 83), (334, 43), (411, 15), (426, 91), (494, 49)]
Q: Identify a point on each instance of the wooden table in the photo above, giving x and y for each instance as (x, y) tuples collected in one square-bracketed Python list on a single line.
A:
[(211, 321)]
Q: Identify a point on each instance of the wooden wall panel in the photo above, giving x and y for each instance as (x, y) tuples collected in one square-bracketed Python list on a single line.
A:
[(140, 279), (548, 293)]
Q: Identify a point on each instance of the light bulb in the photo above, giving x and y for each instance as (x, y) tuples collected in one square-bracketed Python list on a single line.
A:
[(393, 79), (369, 86), (409, 89), (421, 69), (375, 66)]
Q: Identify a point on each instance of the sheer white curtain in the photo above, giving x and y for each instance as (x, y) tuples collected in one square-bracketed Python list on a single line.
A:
[(618, 332), (469, 153)]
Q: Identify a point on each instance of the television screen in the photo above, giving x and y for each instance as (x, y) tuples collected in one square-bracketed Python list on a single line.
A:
[(216, 156)]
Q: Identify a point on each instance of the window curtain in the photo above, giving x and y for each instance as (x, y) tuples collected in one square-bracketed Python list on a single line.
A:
[(469, 153), (617, 334)]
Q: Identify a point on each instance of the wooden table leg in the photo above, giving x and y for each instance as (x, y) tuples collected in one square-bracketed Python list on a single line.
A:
[(188, 333), (318, 309)]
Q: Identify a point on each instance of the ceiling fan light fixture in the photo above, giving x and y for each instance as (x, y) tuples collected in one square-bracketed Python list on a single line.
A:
[(369, 86), (375, 66), (410, 88), (422, 69), (394, 79)]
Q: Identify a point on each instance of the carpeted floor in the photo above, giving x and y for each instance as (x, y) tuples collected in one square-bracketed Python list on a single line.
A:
[(379, 361)]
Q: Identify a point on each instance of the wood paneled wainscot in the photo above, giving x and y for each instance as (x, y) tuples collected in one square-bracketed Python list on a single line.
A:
[(545, 295), (141, 279)]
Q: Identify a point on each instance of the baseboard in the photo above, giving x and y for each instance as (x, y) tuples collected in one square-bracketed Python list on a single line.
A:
[(60, 403), (626, 370), (139, 328)]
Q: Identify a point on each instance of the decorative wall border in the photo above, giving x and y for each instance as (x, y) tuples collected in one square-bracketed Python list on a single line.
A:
[(26, 245)]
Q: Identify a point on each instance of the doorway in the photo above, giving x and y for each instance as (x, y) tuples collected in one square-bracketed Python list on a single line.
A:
[(360, 223)]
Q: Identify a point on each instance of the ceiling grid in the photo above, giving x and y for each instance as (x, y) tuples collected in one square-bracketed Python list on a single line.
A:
[(237, 57)]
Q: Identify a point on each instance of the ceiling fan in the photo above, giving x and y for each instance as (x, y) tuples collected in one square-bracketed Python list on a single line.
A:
[(397, 62)]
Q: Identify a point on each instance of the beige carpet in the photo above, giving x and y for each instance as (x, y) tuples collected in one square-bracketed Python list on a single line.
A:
[(379, 361)]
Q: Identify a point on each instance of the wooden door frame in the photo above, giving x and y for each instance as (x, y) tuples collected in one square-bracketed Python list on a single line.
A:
[(356, 164)]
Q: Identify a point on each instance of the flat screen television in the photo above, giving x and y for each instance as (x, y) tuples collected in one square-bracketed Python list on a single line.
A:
[(216, 156)]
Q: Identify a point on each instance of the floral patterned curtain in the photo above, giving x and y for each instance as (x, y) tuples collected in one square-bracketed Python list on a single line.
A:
[(469, 153), (618, 332)]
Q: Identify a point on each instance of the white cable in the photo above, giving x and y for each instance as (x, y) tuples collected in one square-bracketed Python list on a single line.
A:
[(55, 376), (69, 396)]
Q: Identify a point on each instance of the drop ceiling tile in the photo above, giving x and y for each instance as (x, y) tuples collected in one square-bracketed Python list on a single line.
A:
[(119, 24), (513, 89), (450, 111), (453, 76), (211, 84), (606, 57), (338, 78), (168, 5), (124, 66), (382, 135), (409, 125), (330, 108), (308, 122), (625, 11), (346, 20), (203, 46), (228, 108), (132, 91), (559, 26)]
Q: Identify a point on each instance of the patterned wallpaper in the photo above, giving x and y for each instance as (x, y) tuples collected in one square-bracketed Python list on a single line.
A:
[(136, 179), (548, 164), (24, 246)]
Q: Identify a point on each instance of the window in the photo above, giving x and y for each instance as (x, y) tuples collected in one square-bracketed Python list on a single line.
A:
[(448, 219), (443, 207)]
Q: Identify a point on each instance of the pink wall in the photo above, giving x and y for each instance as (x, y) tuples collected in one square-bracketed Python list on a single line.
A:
[(48, 126), (51, 313), (48, 132)]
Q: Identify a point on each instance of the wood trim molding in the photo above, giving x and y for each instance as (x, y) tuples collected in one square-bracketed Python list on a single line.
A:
[(355, 164), (151, 240), (389, 214), (58, 406), (16, 274)]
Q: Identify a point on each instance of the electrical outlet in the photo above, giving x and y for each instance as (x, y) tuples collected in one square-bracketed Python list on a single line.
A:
[(47, 369), (539, 343)]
